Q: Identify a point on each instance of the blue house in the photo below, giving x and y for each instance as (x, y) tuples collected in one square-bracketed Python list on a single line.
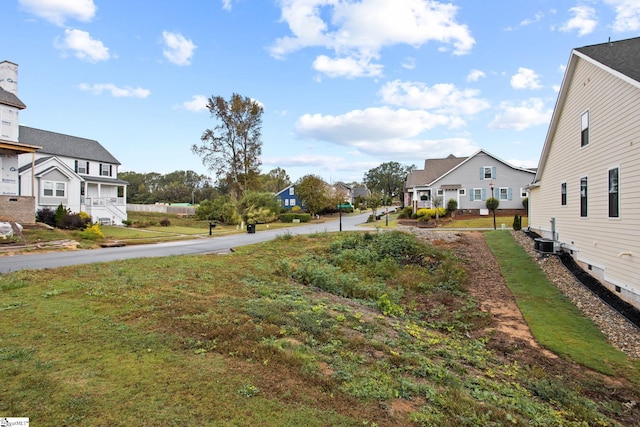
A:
[(288, 198)]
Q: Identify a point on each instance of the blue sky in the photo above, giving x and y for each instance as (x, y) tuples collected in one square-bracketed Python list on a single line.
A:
[(346, 85)]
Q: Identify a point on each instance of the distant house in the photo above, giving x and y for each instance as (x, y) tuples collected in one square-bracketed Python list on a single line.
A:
[(76, 172), (586, 193), (42, 169), (468, 181), (344, 191), (288, 198)]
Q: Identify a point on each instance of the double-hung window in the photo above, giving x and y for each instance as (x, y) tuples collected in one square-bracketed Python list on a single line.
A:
[(583, 196), (105, 169), (53, 189), (614, 193), (504, 193), (584, 132), (563, 194), (487, 172)]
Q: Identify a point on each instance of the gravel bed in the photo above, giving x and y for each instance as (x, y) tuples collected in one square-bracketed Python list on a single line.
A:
[(619, 331)]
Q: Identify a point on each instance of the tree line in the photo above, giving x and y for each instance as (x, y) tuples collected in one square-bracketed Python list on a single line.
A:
[(231, 150)]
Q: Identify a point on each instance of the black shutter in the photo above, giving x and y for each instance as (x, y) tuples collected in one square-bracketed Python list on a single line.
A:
[(76, 167)]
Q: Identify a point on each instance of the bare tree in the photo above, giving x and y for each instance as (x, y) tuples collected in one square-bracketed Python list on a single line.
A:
[(233, 147)]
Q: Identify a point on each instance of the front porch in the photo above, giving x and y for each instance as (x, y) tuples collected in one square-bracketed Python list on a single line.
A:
[(105, 210)]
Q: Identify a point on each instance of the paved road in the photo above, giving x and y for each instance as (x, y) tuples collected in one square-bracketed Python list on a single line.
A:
[(185, 247)]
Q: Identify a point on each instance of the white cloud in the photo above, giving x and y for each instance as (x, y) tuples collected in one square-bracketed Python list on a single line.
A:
[(372, 124), (58, 11), (444, 98), (583, 20), (347, 67), (627, 15), (409, 63), (226, 4), (198, 103), (83, 46), (475, 75), (359, 30), (178, 50), (525, 78), (531, 112), (116, 92), (537, 17)]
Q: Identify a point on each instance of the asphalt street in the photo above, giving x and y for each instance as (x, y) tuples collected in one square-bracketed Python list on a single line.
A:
[(35, 261)]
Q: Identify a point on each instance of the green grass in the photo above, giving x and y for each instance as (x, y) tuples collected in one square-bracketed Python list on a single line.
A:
[(484, 222), (555, 321), (344, 329)]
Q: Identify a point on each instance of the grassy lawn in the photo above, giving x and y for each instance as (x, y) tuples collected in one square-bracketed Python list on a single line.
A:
[(484, 222), (345, 329), (555, 321)]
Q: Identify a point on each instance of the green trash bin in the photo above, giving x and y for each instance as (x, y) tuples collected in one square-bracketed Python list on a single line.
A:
[(251, 228)]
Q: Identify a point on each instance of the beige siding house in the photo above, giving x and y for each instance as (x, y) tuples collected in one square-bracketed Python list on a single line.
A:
[(586, 193)]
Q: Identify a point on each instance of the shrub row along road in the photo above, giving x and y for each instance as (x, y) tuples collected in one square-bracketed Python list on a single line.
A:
[(184, 247)]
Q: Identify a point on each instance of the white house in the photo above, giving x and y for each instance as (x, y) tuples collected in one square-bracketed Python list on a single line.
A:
[(76, 172), (469, 181), (586, 193), (42, 169)]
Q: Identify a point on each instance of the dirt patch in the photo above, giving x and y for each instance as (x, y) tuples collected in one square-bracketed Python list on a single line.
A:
[(489, 289)]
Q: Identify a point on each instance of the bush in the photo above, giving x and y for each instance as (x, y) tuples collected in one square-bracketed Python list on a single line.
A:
[(406, 212), (61, 212), (46, 216), (165, 222), (73, 221), (289, 217), (492, 203), (425, 214), (92, 232), (517, 222), (452, 205)]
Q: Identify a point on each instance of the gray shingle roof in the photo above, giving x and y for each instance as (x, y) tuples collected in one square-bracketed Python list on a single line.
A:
[(622, 56), (58, 144), (7, 98), (433, 169)]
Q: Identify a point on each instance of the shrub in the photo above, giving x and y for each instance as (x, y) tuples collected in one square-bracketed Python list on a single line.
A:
[(452, 205), (92, 232), (46, 216), (406, 212), (73, 221), (289, 217), (517, 222), (425, 214), (296, 209), (165, 222), (61, 212), (492, 203)]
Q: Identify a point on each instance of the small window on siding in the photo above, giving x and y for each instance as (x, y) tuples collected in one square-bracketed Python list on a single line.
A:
[(487, 172), (563, 194), (462, 191), (584, 134), (614, 193), (523, 193), (583, 196)]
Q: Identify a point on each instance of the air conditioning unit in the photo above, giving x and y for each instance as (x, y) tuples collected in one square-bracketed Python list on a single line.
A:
[(545, 246)]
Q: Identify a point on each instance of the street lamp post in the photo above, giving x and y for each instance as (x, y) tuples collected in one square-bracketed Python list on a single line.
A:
[(492, 185)]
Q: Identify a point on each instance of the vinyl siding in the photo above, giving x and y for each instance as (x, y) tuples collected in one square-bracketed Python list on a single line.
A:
[(614, 106), (467, 175)]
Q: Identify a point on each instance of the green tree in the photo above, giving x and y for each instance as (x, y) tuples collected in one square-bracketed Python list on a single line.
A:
[(275, 180), (374, 201), (258, 207), (233, 147), (312, 192), (388, 179), (492, 205)]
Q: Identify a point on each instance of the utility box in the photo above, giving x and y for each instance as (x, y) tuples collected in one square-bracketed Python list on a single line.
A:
[(251, 228)]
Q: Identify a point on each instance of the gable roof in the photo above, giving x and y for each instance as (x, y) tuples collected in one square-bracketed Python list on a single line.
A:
[(433, 169), (58, 144), (436, 169), (622, 56), (8, 98), (619, 58)]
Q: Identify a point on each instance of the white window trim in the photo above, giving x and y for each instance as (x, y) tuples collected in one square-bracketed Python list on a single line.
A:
[(619, 193), (477, 199), (500, 193), (484, 174), (462, 191), (54, 188), (586, 115)]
